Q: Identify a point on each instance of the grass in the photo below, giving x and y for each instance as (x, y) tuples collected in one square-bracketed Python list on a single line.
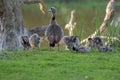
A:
[(43, 64), (64, 65)]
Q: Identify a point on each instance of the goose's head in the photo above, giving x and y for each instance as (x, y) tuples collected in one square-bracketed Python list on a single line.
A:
[(52, 10)]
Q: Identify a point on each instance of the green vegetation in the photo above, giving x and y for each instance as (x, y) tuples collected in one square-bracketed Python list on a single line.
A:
[(59, 65), (33, 16), (43, 64), (89, 15)]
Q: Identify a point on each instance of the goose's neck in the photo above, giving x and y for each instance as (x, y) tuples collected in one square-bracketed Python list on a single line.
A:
[(53, 19)]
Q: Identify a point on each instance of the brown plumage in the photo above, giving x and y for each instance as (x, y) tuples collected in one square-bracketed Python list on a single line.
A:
[(106, 48), (39, 30), (95, 41), (34, 41), (98, 42), (25, 41), (72, 42), (53, 33)]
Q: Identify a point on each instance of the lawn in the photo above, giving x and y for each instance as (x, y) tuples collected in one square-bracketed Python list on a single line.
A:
[(44, 64)]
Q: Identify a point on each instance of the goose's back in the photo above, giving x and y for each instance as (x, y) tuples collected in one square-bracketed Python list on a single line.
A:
[(54, 29)]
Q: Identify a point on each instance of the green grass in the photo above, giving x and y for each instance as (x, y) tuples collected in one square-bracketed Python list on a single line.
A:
[(62, 65), (59, 65)]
